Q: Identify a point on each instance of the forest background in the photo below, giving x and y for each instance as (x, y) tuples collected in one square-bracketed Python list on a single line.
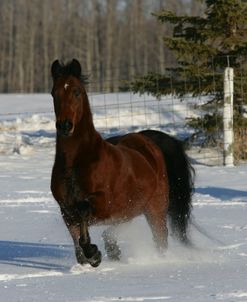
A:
[(114, 40)]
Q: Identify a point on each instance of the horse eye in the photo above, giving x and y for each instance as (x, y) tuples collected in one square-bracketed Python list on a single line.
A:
[(77, 92)]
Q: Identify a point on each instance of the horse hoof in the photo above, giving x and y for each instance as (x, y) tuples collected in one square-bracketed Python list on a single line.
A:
[(80, 257), (92, 254), (113, 252), (95, 260)]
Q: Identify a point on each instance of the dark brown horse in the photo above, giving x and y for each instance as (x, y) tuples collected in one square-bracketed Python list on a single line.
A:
[(97, 182)]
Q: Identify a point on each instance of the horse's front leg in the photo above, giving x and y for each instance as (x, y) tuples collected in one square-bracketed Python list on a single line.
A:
[(76, 219), (91, 251), (74, 229)]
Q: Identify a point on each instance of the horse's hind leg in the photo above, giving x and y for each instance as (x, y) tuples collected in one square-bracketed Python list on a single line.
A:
[(112, 249), (156, 219)]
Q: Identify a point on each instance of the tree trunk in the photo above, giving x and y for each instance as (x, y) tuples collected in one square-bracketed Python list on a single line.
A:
[(110, 26), (10, 55), (45, 20)]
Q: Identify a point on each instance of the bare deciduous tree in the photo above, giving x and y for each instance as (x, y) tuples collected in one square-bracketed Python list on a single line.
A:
[(114, 40)]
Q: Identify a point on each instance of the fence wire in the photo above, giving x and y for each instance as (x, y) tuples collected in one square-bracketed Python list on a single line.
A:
[(122, 112)]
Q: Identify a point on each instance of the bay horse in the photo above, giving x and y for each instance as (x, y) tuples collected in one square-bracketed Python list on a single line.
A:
[(180, 178), (96, 181)]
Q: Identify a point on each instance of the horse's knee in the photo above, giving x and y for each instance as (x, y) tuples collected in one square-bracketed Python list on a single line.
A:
[(85, 209)]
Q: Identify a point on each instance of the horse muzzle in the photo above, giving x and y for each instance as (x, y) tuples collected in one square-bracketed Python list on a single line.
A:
[(64, 128)]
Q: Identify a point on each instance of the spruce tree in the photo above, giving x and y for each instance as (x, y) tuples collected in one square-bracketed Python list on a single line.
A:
[(203, 46)]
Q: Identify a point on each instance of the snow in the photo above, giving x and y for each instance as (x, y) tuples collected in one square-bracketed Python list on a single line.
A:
[(37, 261)]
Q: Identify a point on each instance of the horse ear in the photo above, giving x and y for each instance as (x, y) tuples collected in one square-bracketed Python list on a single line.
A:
[(75, 68), (56, 69)]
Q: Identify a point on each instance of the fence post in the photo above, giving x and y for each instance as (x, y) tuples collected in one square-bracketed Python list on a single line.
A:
[(228, 117)]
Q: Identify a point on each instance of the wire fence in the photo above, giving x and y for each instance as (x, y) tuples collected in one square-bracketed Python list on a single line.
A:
[(122, 112), (174, 114)]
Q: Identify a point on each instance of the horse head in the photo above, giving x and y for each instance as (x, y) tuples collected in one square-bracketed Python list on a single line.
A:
[(68, 95)]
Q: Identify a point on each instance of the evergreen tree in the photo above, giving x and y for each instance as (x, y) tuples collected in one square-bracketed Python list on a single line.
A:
[(204, 46)]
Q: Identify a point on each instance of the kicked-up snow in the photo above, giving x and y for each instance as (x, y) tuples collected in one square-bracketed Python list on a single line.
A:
[(37, 261)]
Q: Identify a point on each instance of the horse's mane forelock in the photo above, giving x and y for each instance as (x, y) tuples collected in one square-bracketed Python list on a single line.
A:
[(67, 70)]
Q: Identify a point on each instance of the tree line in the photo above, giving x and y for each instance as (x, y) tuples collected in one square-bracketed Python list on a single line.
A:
[(113, 39)]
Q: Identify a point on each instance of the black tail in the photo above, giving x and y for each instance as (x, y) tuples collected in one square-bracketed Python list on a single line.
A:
[(181, 181)]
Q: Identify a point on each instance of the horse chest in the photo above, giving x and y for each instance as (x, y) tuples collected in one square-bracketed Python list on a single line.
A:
[(66, 186), (73, 192)]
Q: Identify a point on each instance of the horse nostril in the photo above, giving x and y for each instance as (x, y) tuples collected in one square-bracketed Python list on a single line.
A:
[(64, 126), (68, 125)]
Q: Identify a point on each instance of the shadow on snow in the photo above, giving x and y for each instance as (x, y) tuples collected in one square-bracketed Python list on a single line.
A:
[(26, 254), (223, 193)]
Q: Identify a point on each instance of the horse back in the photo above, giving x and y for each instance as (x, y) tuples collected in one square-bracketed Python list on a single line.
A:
[(146, 148)]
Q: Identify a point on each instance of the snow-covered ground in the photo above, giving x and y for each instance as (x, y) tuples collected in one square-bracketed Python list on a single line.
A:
[(37, 261)]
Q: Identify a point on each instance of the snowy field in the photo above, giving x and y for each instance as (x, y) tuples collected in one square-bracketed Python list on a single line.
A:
[(37, 261)]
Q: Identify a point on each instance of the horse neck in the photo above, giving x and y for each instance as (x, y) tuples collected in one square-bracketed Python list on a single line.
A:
[(84, 143)]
